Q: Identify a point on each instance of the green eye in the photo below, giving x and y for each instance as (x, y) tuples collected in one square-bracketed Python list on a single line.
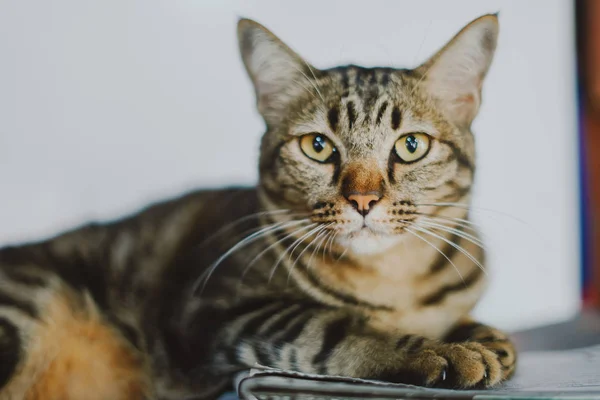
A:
[(412, 147), (317, 147)]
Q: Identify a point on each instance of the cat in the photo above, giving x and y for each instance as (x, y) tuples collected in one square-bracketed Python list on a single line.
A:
[(354, 255)]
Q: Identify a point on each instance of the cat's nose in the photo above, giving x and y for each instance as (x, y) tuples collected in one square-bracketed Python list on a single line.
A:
[(363, 202), (362, 185)]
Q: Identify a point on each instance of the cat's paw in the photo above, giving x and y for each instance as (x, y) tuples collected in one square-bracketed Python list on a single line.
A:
[(466, 365), (492, 339), (470, 366)]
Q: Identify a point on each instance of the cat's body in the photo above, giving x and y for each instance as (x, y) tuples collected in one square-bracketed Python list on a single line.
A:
[(361, 263)]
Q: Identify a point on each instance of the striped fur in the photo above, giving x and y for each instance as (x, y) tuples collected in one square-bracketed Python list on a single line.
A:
[(171, 302)]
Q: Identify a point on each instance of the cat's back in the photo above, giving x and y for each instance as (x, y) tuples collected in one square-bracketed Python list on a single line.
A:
[(162, 249), (129, 260), (103, 290)]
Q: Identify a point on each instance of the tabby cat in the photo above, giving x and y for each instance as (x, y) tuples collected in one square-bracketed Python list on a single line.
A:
[(354, 255)]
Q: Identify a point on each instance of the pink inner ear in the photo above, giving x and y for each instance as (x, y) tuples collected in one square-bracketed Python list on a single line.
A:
[(463, 107), (466, 99)]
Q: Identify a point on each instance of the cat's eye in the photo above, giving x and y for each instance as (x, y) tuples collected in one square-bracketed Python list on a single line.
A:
[(412, 147), (317, 147)]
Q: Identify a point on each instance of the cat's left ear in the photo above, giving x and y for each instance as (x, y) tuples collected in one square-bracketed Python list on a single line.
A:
[(454, 75), (277, 72)]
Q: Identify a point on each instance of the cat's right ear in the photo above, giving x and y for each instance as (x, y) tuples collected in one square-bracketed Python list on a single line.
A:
[(454, 75), (277, 72)]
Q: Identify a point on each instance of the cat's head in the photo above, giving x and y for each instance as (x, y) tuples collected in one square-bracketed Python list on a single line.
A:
[(367, 151)]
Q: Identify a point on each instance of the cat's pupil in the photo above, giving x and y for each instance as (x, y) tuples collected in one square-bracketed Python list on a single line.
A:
[(411, 144), (319, 143)]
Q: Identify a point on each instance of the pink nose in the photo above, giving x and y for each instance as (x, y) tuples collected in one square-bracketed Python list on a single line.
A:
[(363, 202)]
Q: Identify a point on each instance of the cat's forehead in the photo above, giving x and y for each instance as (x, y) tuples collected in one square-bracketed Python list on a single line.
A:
[(368, 84), (364, 106)]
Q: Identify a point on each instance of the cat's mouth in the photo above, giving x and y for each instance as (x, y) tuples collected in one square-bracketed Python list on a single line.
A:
[(367, 240), (367, 230), (362, 231), (360, 234)]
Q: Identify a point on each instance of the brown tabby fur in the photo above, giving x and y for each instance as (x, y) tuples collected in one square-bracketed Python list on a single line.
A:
[(173, 301)]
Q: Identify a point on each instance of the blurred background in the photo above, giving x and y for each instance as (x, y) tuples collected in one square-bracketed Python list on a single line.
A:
[(108, 105)]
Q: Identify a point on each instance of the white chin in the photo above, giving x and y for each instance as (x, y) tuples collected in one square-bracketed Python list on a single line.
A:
[(365, 242)]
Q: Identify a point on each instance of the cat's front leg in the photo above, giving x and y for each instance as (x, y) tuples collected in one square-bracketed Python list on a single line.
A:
[(313, 339), (469, 331)]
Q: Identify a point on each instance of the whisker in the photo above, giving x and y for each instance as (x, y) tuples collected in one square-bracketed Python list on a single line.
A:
[(453, 219), (341, 255), (295, 243), (315, 80), (272, 245), (470, 207), (326, 235), (457, 247), (297, 82), (247, 232), (244, 242), (259, 255), (491, 213), (332, 241), (457, 232), (320, 232), (313, 83), (451, 224), (294, 249), (535, 236), (439, 251), (421, 79), (245, 218), (422, 42), (328, 241)]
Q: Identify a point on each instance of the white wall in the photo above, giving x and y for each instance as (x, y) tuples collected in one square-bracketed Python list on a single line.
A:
[(107, 104)]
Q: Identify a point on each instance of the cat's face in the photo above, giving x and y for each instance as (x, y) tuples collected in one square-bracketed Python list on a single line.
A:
[(367, 151)]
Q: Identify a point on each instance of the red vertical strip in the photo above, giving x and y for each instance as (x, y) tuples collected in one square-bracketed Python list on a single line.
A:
[(589, 59)]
